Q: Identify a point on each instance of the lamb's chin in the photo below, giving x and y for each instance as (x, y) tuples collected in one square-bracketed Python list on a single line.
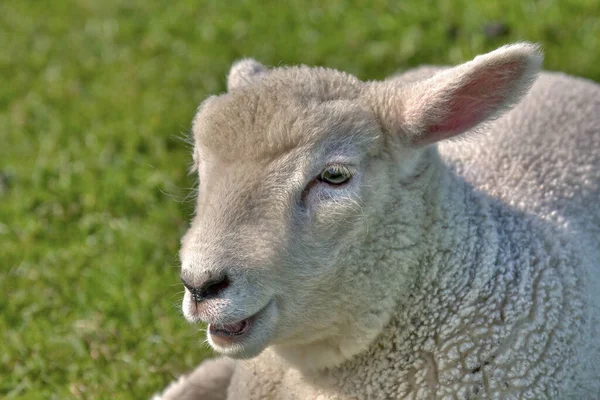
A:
[(246, 338)]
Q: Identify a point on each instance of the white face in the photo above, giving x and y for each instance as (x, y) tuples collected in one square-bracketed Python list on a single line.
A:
[(274, 236)]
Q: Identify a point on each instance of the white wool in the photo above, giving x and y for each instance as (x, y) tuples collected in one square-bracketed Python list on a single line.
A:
[(479, 275)]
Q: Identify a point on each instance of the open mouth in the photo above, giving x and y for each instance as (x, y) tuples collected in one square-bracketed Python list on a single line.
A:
[(241, 336), (230, 330)]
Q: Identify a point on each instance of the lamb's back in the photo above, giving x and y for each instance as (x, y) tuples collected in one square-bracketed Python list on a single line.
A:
[(543, 156)]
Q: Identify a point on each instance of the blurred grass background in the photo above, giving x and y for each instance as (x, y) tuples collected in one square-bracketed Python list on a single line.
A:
[(94, 191)]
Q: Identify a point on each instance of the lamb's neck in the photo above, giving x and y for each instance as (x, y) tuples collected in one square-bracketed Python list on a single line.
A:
[(460, 241)]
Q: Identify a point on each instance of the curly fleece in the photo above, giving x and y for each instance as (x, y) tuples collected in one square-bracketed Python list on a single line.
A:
[(504, 301)]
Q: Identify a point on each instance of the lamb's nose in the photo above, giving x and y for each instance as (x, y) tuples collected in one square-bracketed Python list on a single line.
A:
[(208, 289)]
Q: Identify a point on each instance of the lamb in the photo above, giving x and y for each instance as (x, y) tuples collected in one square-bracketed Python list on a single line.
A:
[(343, 248)]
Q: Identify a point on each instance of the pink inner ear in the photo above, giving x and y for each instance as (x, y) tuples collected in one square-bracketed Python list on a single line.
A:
[(469, 104)]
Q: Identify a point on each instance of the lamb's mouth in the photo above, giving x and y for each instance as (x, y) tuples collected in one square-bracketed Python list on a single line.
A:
[(227, 338), (231, 330)]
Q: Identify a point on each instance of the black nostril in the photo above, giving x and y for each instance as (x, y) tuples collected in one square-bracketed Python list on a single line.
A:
[(212, 288), (209, 289)]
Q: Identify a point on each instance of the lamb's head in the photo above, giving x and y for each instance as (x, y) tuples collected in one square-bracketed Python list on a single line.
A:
[(297, 170)]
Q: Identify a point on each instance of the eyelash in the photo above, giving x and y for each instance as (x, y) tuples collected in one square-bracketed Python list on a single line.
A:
[(318, 179), (337, 171)]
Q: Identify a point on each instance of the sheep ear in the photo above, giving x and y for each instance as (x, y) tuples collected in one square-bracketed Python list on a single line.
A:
[(244, 72), (458, 99)]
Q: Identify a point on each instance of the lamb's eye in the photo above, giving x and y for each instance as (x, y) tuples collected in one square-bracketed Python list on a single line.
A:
[(335, 175)]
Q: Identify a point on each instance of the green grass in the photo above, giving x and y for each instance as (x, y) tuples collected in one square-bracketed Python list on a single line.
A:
[(94, 96)]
